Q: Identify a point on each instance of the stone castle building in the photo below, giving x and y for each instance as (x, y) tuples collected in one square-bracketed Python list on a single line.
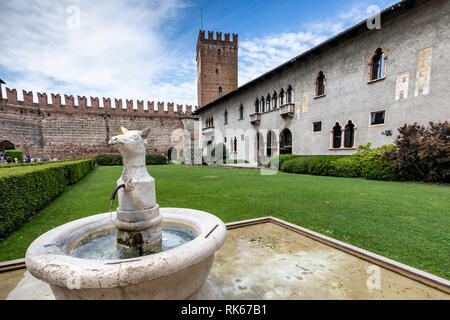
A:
[(78, 129), (357, 87)]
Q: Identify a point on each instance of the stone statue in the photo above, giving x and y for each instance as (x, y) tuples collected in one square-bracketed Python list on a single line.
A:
[(138, 220)]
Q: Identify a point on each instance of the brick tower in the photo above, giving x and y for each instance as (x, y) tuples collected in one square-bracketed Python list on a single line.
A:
[(217, 66)]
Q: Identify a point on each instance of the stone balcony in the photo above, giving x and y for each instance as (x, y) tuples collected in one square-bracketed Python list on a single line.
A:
[(255, 118), (287, 110)]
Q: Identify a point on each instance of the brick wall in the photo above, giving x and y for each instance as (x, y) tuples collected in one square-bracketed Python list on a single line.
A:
[(67, 128)]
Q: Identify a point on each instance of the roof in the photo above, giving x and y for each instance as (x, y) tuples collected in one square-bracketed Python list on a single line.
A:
[(387, 14)]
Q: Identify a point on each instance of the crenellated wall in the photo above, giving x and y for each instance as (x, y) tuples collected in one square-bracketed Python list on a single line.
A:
[(68, 127)]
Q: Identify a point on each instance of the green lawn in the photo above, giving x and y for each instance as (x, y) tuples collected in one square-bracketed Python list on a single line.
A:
[(407, 222)]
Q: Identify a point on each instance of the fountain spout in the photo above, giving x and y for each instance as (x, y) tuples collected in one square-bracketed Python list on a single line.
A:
[(113, 197)]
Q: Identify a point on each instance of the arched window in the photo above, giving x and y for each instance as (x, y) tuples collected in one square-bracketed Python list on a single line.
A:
[(320, 84), (286, 142), (349, 135), (377, 65), (263, 105), (241, 112), (289, 97), (281, 97), (337, 135), (257, 106), (271, 143), (218, 52), (268, 103), (225, 116), (217, 71), (220, 91), (235, 144), (275, 100)]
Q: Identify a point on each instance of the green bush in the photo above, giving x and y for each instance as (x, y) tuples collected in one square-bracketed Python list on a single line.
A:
[(154, 159), (26, 190), (219, 153), (14, 154), (297, 165), (322, 165), (116, 159), (348, 167), (280, 159), (373, 165)]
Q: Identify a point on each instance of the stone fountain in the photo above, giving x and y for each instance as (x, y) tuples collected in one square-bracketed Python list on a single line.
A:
[(140, 251)]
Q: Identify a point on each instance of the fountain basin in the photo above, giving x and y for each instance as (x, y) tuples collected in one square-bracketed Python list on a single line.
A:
[(178, 273)]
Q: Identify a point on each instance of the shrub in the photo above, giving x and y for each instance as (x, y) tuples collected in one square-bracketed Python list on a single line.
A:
[(348, 167), (116, 159), (155, 159), (14, 154), (422, 153), (373, 165), (219, 153), (294, 165), (26, 190), (322, 165), (280, 159)]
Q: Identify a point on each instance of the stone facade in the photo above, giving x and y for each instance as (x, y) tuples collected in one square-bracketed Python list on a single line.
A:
[(413, 87), (81, 130), (217, 66)]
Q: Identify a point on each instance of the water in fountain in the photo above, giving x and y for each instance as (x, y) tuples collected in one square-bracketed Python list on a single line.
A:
[(104, 247)]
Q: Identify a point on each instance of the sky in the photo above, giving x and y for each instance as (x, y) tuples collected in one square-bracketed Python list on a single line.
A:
[(145, 50)]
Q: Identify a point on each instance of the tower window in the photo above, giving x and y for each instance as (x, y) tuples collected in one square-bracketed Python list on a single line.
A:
[(220, 91), (218, 52), (377, 118), (217, 71)]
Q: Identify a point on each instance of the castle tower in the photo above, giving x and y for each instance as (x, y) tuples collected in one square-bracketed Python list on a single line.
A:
[(217, 66)]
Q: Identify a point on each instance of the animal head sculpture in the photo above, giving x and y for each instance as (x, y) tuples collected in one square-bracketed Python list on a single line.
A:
[(131, 142)]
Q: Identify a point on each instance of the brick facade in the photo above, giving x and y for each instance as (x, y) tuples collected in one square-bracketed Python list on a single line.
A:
[(217, 66), (81, 130)]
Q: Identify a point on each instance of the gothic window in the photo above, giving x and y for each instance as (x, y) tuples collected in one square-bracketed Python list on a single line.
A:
[(286, 142), (281, 97), (349, 135), (271, 143), (263, 106), (257, 106), (320, 84), (225, 115), (241, 112), (337, 136), (289, 95), (268, 103), (317, 126), (377, 65), (377, 118), (275, 100)]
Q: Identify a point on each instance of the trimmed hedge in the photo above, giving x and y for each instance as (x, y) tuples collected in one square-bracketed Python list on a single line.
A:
[(116, 159), (14, 154), (24, 191), (367, 163)]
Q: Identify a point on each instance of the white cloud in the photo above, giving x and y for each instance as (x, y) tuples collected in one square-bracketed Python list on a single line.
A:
[(103, 57)]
